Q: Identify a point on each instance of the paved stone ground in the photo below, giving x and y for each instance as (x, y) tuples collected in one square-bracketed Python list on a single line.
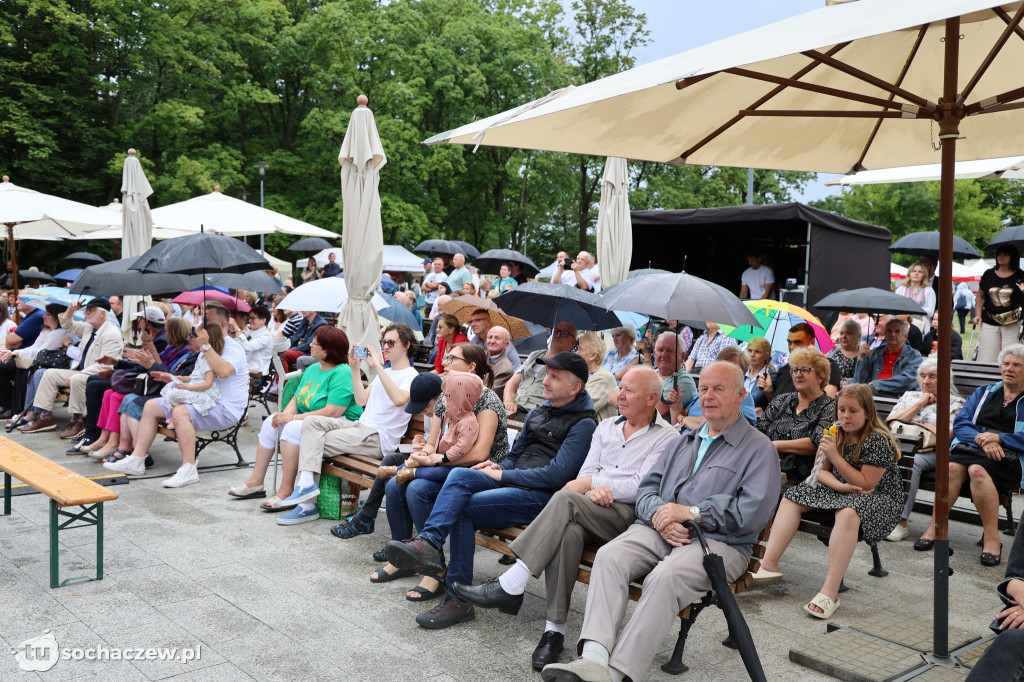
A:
[(192, 567)]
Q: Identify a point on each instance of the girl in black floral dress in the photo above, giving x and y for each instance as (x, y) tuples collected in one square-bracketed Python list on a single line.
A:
[(858, 478)]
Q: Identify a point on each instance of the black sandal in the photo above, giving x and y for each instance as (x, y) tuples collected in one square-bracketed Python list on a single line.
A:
[(385, 577), (988, 559), (425, 594)]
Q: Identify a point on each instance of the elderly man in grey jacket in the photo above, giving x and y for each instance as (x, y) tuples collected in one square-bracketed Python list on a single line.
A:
[(724, 476)]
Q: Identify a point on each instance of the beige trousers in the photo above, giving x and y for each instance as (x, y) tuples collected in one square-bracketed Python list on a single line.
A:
[(54, 379), (324, 437), (553, 542), (675, 579)]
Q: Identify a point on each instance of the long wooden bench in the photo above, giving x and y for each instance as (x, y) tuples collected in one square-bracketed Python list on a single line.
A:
[(65, 489), (228, 436)]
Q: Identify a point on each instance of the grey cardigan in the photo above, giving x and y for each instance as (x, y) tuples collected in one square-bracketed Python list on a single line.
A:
[(736, 487)]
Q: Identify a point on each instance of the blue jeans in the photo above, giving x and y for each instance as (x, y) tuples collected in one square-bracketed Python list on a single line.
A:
[(409, 504), (471, 499), (1003, 660)]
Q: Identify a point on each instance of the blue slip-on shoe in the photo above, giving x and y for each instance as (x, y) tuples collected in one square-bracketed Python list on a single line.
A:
[(297, 516), (300, 495)]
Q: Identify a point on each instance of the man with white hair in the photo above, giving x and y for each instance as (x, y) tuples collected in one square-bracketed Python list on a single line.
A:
[(480, 323), (98, 339), (679, 390), (497, 342), (460, 275), (432, 282), (575, 273), (725, 478), (890, 369), (595, 507)]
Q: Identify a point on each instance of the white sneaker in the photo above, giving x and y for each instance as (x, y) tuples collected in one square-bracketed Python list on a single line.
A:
[(129, 466), (898, 533), (185, 475)]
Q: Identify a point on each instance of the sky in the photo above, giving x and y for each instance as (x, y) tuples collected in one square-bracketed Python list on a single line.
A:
[(680, 25)]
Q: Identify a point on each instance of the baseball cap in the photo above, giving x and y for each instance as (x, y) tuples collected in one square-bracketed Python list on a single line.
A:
[(425, 387), (427, 261), (98, 302), (151, 314), (569, 362)]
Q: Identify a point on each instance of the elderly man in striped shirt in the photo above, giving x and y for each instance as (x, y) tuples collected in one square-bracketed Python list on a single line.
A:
[(594, 508)]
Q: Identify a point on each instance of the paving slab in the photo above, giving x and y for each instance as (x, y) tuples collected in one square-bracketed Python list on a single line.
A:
[(855, 657)]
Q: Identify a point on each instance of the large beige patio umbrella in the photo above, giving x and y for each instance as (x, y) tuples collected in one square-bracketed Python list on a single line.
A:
[(848, 87), (361, 158), (136, 226), (1007, 168), (614, 228)]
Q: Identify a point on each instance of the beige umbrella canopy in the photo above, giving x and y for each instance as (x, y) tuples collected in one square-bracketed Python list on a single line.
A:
[(136, 226), (463, 307), (614, 228), (853, 86), (361, 158)]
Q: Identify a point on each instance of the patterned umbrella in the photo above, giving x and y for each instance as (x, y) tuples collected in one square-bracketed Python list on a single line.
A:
[(775, 318), (462, 307)]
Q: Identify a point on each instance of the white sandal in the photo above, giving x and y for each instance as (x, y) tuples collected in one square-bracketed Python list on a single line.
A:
[(244, 492), (823, 602), (765, 577)]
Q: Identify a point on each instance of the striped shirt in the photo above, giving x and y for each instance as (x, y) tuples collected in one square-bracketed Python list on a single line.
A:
[(621, 464), (706, 349)]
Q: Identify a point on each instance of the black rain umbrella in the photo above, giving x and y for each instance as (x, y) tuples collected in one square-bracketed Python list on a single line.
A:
[(927, 244), (196, 254), (81, 259), (870, 300), (490, 262), (739, 632), (116, 278), (1014, 236), (437, 247), (466, 249), (311, 244), (678, 296), (27, 276), (547, 304)]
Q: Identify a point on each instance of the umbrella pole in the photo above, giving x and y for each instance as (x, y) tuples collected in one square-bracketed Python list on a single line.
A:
[(14, 267), (950, 112)]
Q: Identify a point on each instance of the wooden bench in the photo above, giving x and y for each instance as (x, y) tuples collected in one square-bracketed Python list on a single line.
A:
[(65, 488), (498, 539), (228, 436), (362, 469), (819, 522), (969, 376)]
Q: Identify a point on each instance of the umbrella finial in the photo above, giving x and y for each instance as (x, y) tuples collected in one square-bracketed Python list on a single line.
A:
[(131, 152), (7, 178), (216, 188), (362, 100)]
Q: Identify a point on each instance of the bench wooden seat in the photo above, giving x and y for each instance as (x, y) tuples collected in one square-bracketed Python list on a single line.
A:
[(228, 436), (65, 488)]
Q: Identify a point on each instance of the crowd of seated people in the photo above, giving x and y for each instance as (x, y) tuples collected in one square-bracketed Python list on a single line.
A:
[(617, 448)]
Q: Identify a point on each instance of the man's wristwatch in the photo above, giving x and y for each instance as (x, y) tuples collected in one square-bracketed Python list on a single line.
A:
[(695, 513)]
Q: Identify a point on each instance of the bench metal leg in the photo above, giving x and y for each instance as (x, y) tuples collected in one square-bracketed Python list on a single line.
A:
[(675, 665), (90, 515), (1011, 525), (876, 561), (7, 494)]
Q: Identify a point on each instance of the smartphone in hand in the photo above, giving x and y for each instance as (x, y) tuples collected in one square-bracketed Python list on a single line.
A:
[(360, 351)]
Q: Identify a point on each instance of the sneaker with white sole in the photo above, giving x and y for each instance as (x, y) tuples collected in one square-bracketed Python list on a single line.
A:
[(307, 494), (186, 475), (898, 533), (297, 516), (129, 466)]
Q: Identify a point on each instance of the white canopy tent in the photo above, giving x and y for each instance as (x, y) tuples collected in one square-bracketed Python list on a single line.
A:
[(399, 259), (221, 214)]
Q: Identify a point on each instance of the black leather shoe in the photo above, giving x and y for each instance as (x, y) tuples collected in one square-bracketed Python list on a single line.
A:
[(6, 414), (924, 545), (415, 555), (489, 595), (549, 649), (447, 613)]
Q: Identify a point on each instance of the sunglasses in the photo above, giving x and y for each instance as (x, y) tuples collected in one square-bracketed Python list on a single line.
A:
[(193, 335), (561, 332), (388, 343)]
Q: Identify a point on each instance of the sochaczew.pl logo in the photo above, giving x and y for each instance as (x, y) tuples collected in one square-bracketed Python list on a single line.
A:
[(39, 654)]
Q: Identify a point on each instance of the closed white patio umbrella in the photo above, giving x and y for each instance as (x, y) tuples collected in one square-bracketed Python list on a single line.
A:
[(361, 158), (136, 226), (614, 228)]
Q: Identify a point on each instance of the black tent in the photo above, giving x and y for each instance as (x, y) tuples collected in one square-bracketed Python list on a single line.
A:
[(822, 251)]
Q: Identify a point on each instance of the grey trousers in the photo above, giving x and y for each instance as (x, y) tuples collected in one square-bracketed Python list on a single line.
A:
[(329, 436), (553, 542), (675, 579)]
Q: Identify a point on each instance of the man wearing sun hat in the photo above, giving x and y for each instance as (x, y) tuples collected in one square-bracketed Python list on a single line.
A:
[(98, 339)]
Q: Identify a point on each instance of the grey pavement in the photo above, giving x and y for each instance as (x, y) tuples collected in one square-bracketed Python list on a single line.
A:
[(192, 567)]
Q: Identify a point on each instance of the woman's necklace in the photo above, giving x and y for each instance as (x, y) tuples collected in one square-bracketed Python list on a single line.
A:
[(1007, 401)]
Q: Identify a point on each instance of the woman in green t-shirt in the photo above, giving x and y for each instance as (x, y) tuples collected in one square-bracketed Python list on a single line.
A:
[(325, 388)]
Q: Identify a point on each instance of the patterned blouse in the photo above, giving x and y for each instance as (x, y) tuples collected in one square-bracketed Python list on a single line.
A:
[(847, 366), (928, 414), (614, 364), (780, 421)]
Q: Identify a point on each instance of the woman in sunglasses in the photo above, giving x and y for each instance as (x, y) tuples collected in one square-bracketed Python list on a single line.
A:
[(796, 421)]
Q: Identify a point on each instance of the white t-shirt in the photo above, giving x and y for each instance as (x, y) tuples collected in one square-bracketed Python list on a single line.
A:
[(381, 415), (234, 391), (757, 280), (438, 277), (569, 277)]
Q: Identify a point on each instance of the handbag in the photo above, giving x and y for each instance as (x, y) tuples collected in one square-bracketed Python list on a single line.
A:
[(123, 381), (899, 426), (146, 385), (974, 451), (51, 359)]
